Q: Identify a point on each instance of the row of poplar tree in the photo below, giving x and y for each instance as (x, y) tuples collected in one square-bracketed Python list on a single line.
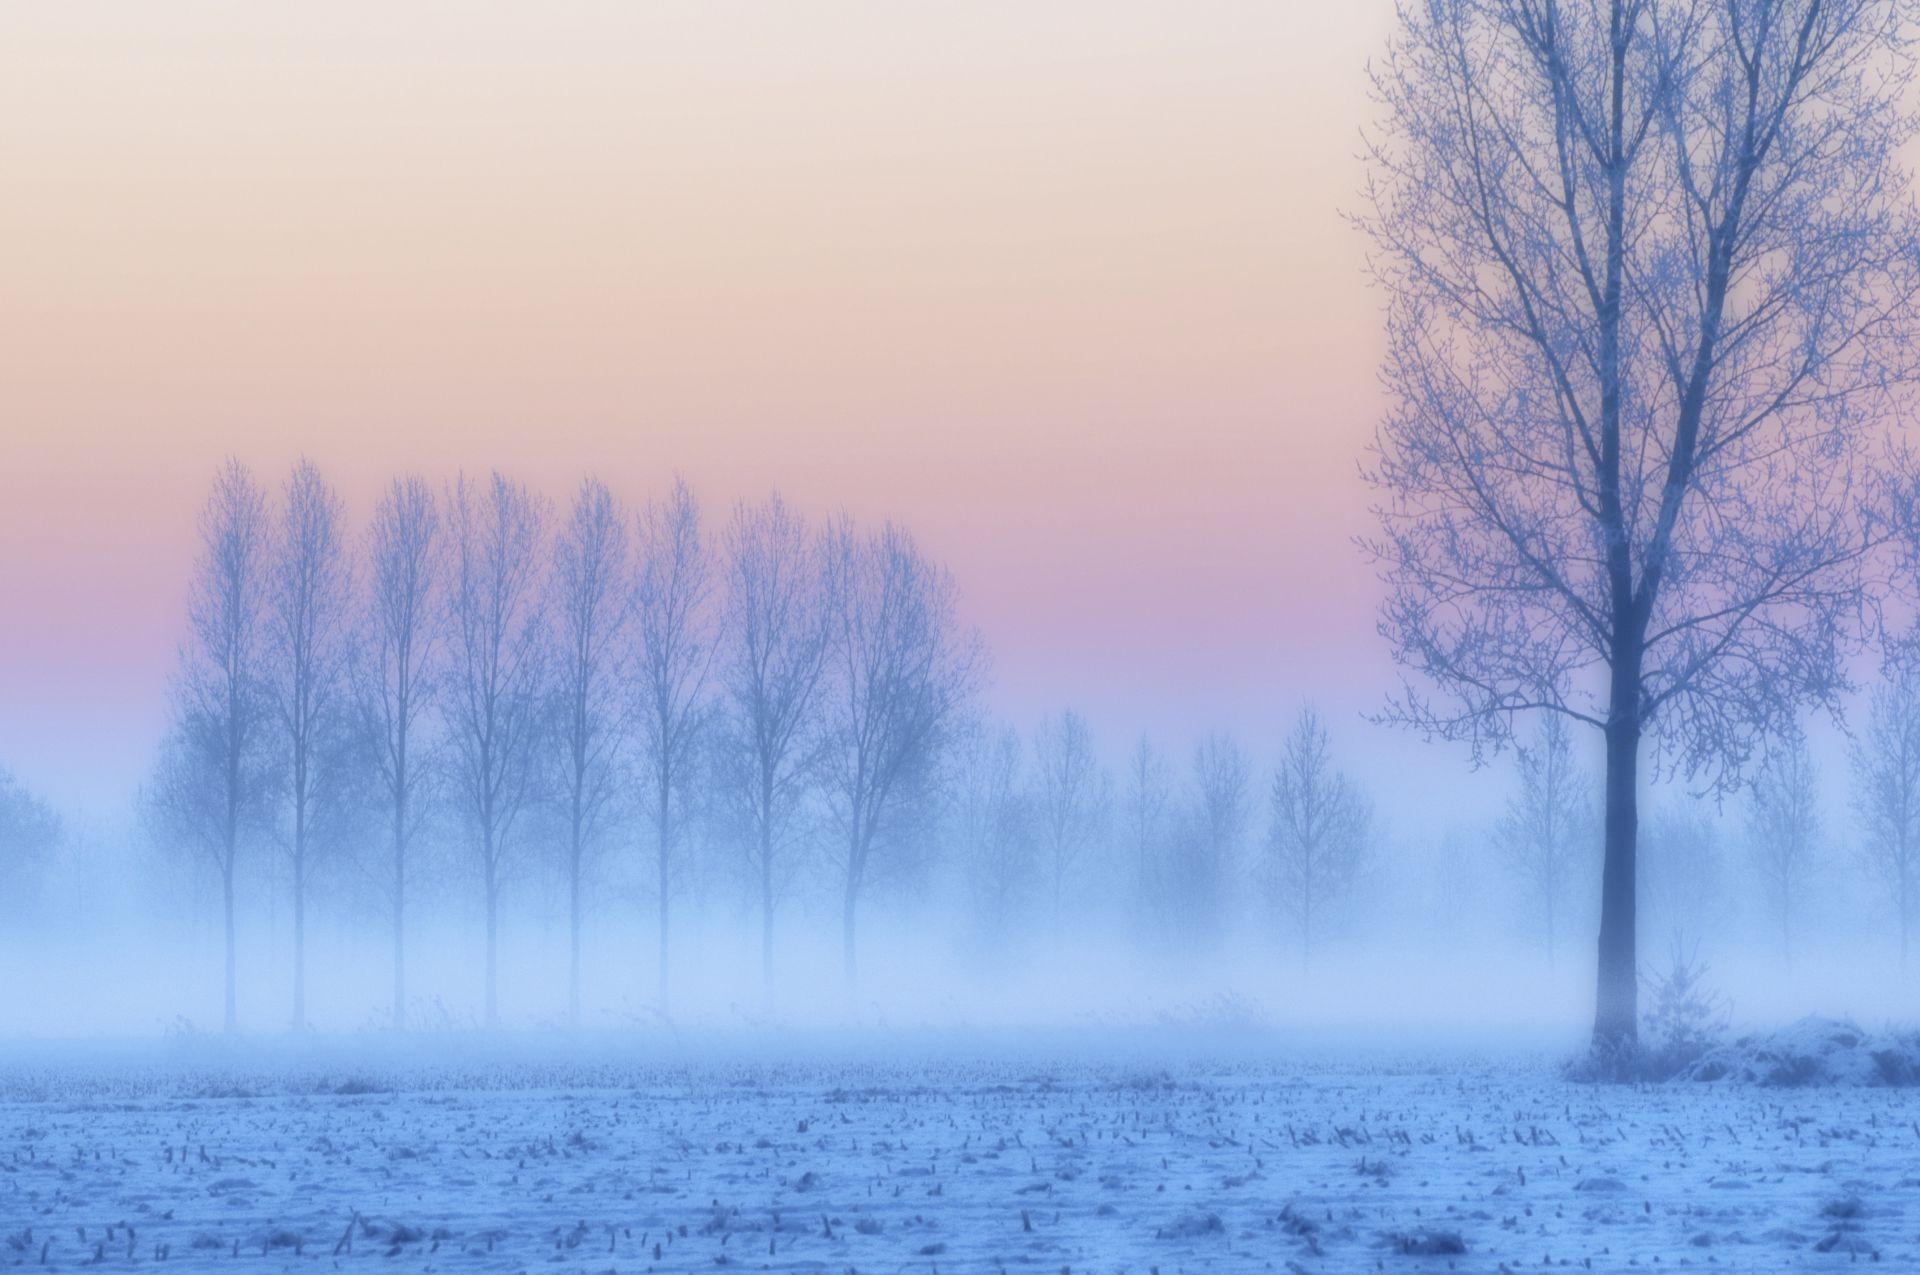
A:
[(533, 681)]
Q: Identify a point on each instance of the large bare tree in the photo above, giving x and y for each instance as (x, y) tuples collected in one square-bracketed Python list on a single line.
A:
[(1886, 797), (674, 621), (309, 620), (1649, 278), (1545, 836), (1319, 835), (398, 659), (900, 667), (775, 634), (215, 772), (498, 638), (590, 606)]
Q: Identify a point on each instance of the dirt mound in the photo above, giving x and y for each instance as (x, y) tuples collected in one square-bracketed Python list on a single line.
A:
[(1814, 1052)]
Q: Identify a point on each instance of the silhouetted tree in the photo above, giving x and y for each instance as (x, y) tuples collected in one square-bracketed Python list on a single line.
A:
[(1546, 835), (498, 638), (1320, 822), (775, 631), (1783, 825), (397, 661), (215, 775), (994, 826), (900, 667), (1649, 276), (30, 831), (1886, 797), (309, 618), (1073, 794), (1220, 813), (590, 608), (674, 614)]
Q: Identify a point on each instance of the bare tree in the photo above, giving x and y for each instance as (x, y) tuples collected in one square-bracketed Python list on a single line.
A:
[(1783, 821), (1320, 824), (1683, 887), (1886, 797), (900, 667), (397, 662), (498, 639), (1545, 837), (1454, 880), (309, 609), (676, 651), (993, 818), (1074, 794), (1220, 812), (30, 831), (1145, 806), (215, 775), (590, 610), (776, 649), (1649, 281)]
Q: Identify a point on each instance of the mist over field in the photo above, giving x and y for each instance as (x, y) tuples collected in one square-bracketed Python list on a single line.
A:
[(847, 636)]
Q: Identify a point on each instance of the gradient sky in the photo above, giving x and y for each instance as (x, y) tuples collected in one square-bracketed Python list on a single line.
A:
[(1065, 288)]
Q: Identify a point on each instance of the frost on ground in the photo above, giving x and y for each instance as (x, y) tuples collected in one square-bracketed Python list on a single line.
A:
[(1814, 1051), (936, 1166)]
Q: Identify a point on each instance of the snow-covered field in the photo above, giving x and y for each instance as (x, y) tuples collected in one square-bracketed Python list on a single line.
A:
[(925, 1165)]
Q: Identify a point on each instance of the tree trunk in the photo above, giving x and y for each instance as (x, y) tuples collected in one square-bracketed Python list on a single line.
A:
[(233, 1002), (299, 930), (573, 935), (846, 935), (1616, 1018), (664, 830), (1906, 910), (1550, 933), (766, 911), (399, 918), (493, 948)]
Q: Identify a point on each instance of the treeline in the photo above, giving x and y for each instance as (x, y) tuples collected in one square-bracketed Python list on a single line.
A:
[(598, 684)]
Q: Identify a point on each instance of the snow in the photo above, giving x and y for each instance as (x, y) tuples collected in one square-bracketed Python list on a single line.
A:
[(1817, 1052), (921, 1164)]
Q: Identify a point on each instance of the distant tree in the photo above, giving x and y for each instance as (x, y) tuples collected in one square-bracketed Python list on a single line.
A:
[(1684, 887), (589, 606), (675, 621), (775, 634), (1073, 795), (1650, 281), (499, 645), (1545, 838), (1455, 880), (993, 818), (1220, 813), (30, 832), (1145, 811), (1783, 821), (900, 669), (1886, 797), (397, 662), (215, 774), (1320, 824), (309, 623), (587, 609)]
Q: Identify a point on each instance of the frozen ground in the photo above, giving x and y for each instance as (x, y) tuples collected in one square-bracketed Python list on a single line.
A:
[(388, 1163)]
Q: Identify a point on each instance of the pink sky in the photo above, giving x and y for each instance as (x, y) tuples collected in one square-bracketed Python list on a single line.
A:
[(1065, 288)]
